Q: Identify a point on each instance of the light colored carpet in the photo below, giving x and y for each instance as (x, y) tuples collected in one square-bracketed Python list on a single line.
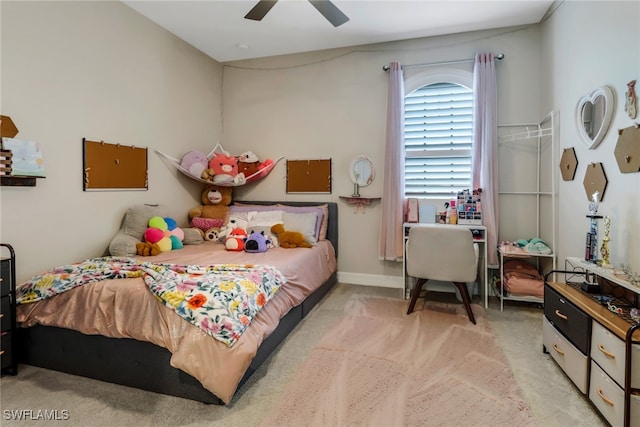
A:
[(379, 366), (553, 399)]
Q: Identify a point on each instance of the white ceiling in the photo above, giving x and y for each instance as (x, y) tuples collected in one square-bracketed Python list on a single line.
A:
[(218, 27)]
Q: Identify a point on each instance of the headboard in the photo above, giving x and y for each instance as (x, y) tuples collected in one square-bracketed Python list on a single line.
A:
[(332, 224)]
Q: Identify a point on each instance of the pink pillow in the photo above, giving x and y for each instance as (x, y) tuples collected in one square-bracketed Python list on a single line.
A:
[(323, 211)]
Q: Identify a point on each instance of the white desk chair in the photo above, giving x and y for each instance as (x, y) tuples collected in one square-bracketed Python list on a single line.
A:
[(442, 252)]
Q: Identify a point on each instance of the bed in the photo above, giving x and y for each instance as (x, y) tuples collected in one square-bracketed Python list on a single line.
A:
[(169, 355)]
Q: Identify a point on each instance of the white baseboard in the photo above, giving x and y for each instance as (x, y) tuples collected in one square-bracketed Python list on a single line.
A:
[(395, 282), (376, 280)]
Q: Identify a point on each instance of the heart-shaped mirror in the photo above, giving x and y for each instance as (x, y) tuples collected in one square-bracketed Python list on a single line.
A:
[(593, 115)]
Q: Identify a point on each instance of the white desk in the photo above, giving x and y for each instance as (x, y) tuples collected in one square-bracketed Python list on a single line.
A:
[(482, 262)]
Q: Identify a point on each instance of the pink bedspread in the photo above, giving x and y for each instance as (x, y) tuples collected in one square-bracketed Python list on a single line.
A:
[(125, 308)]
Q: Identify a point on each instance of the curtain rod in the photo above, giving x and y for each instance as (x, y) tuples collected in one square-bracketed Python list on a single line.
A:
[(499, 56)]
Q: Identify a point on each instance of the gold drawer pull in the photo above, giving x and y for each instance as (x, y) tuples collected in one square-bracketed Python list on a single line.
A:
[(555, 347), (1, 352), (603, 397), (560, 315), (1, 316), (606, 353)]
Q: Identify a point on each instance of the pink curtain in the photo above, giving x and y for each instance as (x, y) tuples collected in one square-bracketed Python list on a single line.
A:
[(485, 146), (391, 238)]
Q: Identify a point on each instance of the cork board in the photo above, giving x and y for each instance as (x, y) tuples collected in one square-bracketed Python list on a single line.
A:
[(113, 166), (309, 176)]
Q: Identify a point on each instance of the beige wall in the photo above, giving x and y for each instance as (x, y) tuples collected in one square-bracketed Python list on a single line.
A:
[(587, 45), (333, 104), (97, 70)]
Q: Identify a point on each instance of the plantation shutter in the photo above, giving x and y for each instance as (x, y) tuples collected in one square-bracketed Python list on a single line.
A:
[(438, 137)]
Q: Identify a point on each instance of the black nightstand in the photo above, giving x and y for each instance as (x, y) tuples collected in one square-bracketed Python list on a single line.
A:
[(8, 345)]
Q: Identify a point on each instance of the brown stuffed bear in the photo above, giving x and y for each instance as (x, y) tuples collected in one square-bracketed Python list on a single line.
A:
[(289, 239), (214, 212)]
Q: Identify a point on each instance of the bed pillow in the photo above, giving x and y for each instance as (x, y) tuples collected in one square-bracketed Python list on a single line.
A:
[(262, 221), (238, 219), (253, 208), (303, 222), (270, 217), (321, 210)]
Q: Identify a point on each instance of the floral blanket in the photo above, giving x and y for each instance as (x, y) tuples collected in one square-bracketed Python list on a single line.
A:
[(219, 299)]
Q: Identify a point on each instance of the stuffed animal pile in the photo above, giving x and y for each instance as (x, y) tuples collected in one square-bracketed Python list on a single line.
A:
[(212, 215), (224, 169)]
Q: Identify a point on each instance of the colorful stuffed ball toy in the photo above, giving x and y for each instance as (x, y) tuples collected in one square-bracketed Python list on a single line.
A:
[(158, 222), (171, 223), (153, 235), (158, 232), (175, 233), (176, 242)]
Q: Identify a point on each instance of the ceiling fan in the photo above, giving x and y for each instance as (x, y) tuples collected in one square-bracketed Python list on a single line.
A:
[(325, 7)]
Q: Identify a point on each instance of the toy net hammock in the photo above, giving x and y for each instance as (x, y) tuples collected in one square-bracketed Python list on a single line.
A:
[(240, 180)]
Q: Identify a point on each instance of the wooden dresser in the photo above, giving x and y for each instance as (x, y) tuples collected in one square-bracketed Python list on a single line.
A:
[(599, 350)]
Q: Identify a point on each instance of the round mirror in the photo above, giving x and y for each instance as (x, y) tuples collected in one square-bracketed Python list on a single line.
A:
[(361, 171), (593, 116)]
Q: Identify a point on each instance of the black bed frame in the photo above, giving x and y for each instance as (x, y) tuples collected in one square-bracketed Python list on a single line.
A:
[(145, 365)]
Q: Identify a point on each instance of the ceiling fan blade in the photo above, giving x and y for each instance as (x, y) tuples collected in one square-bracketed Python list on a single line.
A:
[(260, 9), (330, 11)]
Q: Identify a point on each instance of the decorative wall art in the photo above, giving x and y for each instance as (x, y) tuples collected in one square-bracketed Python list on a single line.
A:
[(309, 176), (630, 105), (627, 149), (593, 115), (113, 166), (568, 164), (595, 180), (26, 157)]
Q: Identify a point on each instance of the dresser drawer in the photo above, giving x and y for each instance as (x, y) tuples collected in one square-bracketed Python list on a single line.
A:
[(608, 397), (5, 348), (609, 352), (572, 322), (5, 275), (573, 362), (6, 321)]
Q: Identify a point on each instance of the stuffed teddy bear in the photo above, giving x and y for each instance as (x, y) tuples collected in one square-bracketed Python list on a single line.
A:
[(214, 211), (289, 239), (256, 242), (213, 234), (235, 240)]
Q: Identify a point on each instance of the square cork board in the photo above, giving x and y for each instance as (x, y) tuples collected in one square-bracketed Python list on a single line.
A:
[(309, 176), (113, 166)]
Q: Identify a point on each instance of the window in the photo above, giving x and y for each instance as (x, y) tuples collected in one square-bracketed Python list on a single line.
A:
[(438, 137)]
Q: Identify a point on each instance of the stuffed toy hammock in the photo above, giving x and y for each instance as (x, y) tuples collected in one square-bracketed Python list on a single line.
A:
[(220, 168)]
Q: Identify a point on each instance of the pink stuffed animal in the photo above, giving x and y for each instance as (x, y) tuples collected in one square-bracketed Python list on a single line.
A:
[(224, 168)]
